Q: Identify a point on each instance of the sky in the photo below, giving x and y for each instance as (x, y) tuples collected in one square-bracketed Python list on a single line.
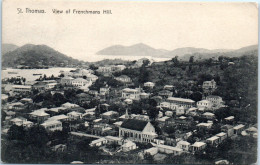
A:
[(161, 25)]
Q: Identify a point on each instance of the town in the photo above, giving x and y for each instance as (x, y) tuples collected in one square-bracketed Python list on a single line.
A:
[(188, 112)]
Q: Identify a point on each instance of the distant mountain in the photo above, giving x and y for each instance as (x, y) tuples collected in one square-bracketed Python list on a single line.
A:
[(136, 50), (35, 56), (249, 50), (8, 48), (182, 53)]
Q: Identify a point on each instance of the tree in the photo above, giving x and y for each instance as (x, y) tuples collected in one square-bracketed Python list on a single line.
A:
[(191, 60), (175, 61), (16, 132)]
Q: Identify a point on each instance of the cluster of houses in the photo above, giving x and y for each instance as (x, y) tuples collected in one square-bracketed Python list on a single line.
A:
[(126, 130)]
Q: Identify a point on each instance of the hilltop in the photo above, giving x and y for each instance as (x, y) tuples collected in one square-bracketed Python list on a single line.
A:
[(8, 48), (36, 56)]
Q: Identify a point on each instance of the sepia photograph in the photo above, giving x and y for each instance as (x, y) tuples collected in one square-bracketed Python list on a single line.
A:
[(129, 82)]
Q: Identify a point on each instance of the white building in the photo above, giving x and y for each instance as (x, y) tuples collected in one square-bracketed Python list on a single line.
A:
[(176, 102), (69, 105), (197, 146), (169, 149), (74, 115), (204, 105), (216, 101), (133, 94), (21, 89), (149, 84), (183, 145), (53, 125), (80, 82), (137, 130)]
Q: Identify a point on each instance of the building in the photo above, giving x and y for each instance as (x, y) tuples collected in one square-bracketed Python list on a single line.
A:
[(197, 146), (149, 84), (128, 146), (16, 106), (113, 139), (69, 105), (39, 115), (183, 145), (165, 105), (238, 129), (59, 118), (52, 125), (74, 115), (168, 87), (204, 105), (116, 68), (123, 79), (105, 69), (66, 81), (214, 140), (137, 130), (40, 85), (165, 93), (209, 115), (26, 100), (92, 77), (209, 86), (110, 115), (229, 129), (83, 98), (204, 125), (104, 90), (144, 95), (216, 101), (169, 149), (152, 151), (21, 89), (18, 121), (98, 142), (80, 82), (222, 136), (133, 94), (176, 102), (51, 85), (180, 110)]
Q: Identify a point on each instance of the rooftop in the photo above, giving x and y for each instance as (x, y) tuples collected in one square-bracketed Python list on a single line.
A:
[(180, 99), (198, 144), (134, 124), (39, 113), (221, 134), (183, 143), (169, 147), (213, 138), (239, 126), (47, 123)]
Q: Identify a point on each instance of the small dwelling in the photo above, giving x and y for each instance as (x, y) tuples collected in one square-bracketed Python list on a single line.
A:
[(152, 151), (128, 146), (197, 146), (98, 142), (214, 140), (52, 125), (169, 149), (149, 84), (222, 136), (238, 129), (183, 145)]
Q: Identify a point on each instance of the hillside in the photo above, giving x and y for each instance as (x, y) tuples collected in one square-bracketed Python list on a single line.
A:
[(36, 56), (8, 48)]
